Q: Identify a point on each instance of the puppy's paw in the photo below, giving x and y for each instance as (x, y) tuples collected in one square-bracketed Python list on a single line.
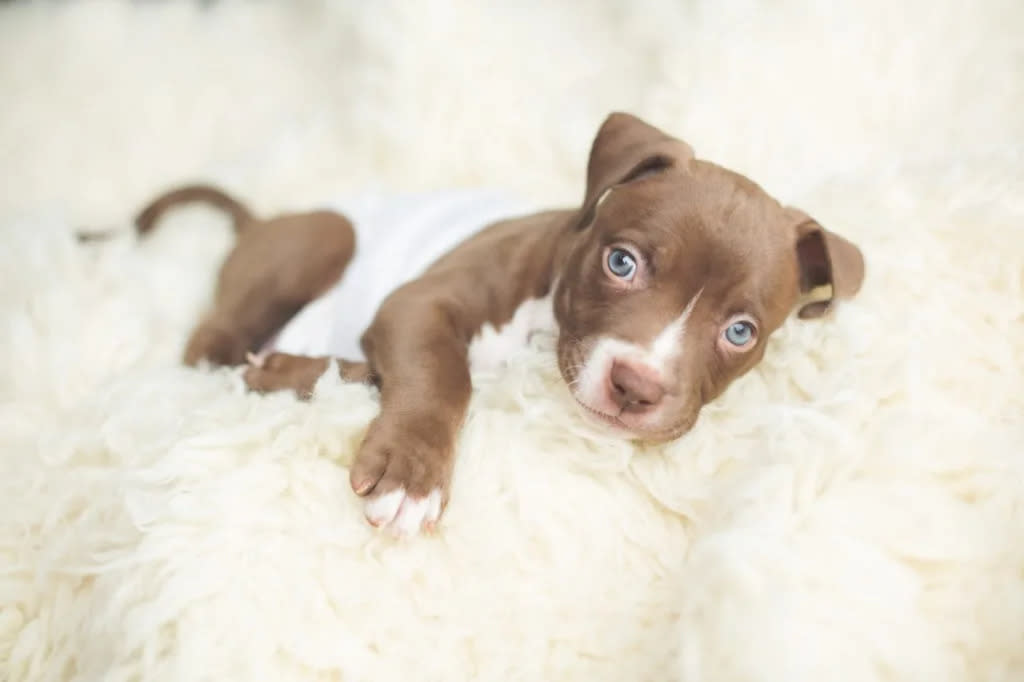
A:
[(214, 345), (402, 513), (403, 471), (280, 372)]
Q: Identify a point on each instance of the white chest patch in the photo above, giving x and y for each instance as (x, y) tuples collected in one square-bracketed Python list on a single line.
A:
[(491, 348)]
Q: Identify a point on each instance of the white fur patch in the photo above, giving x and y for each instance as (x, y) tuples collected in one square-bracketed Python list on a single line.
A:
[(403, 513), (410, 515), (380, 510), (416, 511), (668, 345), (433, 512), (657, 355), (533, 320)]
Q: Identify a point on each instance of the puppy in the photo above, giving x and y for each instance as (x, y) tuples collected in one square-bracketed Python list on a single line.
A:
[(661, 288)]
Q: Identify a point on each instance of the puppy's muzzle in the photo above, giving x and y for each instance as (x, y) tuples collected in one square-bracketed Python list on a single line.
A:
[(634, 387)]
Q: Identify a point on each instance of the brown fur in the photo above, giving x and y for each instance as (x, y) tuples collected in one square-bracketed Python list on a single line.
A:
[(277, 266), (699, 228)]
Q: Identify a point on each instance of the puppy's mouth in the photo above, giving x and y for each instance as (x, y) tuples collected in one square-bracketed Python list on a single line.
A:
[(622, 424), (615, 424), (603, 417)]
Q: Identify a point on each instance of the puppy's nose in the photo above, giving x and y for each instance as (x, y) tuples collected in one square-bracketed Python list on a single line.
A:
[(633, 385)]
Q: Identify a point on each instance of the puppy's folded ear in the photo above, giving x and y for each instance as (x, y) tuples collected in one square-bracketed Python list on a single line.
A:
[(624, 150), (830, 266)]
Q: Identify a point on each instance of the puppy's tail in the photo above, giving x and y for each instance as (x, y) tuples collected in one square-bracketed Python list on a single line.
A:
[(148, 217)]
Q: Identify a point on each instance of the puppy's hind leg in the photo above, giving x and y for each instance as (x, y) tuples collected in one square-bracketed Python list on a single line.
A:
[(281, 371), (216, 344), (277, 267)]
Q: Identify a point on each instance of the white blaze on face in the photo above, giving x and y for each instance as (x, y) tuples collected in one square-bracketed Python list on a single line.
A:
[(658, 354)]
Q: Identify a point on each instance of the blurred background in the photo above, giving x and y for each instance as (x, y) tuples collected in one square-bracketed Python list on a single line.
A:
[(292, 103), (890, 495)]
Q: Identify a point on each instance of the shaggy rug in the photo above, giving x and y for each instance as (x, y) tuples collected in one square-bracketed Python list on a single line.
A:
[(851, 510)]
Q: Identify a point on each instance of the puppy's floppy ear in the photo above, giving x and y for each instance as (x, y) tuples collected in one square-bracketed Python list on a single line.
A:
[(626, 149), (830, 267)]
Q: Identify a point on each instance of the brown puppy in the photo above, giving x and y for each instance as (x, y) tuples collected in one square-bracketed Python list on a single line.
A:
[(663, 287)]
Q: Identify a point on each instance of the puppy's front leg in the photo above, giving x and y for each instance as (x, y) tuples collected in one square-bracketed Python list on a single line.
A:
[(419, 354)]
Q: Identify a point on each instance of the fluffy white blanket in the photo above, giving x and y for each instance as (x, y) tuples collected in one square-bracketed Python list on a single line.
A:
[(852, 510)]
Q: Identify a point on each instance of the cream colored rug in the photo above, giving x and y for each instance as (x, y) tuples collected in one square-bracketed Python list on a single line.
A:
[(852, 510)]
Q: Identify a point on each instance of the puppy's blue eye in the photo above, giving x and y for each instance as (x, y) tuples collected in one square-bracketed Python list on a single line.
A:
[(739, 333), (621, 263)]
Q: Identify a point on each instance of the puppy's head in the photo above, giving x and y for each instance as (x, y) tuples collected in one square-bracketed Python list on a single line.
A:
[(679, 272)]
